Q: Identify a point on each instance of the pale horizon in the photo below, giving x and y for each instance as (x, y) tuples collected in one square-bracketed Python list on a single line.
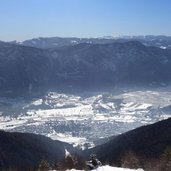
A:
[(22, 20), (117, 36)]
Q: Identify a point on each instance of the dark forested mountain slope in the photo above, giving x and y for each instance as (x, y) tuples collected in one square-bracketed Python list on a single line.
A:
[(24, 150), (115, 63), (84, 64), (22, 67), (146, 142)]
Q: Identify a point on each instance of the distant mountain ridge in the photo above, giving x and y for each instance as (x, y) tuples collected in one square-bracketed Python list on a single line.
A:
[(84, 64), (53, 42)]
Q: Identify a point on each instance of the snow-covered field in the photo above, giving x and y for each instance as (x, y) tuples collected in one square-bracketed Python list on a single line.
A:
[(109, 168), (86, 117)]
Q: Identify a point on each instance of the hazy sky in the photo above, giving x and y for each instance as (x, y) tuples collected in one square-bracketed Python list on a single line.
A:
[(24, 19)]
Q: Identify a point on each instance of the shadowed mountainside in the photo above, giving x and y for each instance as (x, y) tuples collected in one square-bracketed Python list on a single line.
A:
[(24, 150), (83, 65), (147, 142)]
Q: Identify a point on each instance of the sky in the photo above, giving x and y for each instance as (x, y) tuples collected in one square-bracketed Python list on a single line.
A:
[(26, 19)]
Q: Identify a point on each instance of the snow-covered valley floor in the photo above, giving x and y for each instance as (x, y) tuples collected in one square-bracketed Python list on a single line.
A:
[(86, 117)]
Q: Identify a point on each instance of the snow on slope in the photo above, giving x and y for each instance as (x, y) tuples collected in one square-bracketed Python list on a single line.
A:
[(109, 168)]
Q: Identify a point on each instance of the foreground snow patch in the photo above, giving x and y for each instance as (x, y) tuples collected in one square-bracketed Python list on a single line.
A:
[(109, 168)]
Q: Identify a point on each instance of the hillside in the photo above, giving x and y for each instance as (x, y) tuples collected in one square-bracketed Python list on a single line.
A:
[(133, 149), (147, 142), (24, 150), (83, 65)]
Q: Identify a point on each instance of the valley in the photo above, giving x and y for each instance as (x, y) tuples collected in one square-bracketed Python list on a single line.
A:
[(85, 119)]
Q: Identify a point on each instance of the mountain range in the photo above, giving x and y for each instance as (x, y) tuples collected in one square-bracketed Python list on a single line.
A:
[(74, 63), (83, 65), (53, 42)]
